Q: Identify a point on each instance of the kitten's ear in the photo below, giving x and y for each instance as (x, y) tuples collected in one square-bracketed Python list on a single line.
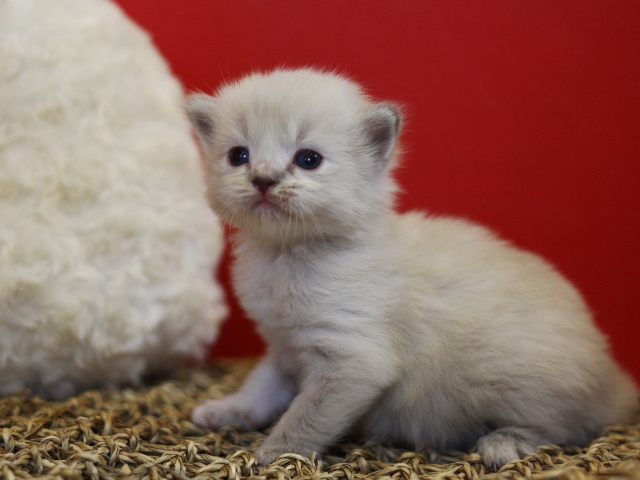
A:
[(382, 126), (200, 109)]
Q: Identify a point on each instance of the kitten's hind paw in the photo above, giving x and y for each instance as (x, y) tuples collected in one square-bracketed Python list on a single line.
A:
[(507, 444)]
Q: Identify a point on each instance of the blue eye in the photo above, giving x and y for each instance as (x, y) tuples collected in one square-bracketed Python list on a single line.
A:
[(308, 159), (238, 156)]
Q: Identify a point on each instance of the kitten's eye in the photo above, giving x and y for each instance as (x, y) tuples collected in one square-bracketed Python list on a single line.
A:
[(238, 156), (308, 159)]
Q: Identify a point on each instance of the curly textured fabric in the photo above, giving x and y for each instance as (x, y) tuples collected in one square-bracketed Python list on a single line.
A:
[(107, 246), (146, 433)]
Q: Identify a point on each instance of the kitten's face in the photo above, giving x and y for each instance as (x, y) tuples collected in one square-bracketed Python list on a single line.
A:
[(295, 154)]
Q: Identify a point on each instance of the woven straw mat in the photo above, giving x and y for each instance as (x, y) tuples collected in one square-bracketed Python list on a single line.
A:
[(146, 433)]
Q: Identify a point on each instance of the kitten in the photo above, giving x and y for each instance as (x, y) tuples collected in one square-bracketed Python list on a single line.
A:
[(413, 330)]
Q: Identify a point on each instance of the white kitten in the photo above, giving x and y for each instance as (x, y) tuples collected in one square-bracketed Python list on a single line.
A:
[(412, 330)]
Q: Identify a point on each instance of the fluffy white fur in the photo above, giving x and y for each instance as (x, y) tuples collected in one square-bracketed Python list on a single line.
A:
[(415, 330), (107, 248)]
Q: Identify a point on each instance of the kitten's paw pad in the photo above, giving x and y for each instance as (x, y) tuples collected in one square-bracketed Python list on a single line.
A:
[(505, 445), (214, 414)]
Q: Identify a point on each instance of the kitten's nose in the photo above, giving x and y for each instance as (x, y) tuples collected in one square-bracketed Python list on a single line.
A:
[(263, 184)]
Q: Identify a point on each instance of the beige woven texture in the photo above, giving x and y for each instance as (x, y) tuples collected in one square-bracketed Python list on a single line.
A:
[(146, 433)]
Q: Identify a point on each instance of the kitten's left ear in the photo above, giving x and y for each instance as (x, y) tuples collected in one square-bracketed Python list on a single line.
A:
[(382, 127), (200, 109)]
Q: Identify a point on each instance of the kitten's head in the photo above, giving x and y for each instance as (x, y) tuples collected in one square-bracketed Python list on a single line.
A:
[(296, 154)]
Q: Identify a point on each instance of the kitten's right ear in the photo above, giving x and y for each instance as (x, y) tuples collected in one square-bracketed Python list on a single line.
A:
[(200, 109)]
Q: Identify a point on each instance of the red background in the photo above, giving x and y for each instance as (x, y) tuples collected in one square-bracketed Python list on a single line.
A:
[(523, 116)]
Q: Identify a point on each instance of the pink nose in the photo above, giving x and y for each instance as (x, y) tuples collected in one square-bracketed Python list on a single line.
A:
[(263, 184)]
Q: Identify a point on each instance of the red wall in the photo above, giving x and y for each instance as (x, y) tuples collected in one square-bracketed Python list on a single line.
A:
[(524, 116)]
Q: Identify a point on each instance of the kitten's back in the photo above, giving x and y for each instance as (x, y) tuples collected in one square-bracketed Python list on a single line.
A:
[(517, 338)]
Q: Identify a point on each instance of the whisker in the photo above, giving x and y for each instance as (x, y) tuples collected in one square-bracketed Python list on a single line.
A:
[(316, 223)]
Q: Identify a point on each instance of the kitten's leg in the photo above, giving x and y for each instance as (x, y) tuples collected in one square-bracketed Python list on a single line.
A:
[(326, 407), (265, 394), (509, 443)]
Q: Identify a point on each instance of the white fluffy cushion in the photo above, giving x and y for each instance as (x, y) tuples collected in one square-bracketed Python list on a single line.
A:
[(107, 249)]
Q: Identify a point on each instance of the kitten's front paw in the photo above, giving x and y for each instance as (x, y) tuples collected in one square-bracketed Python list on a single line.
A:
[(214, 414), (267, 457), (268, 452)]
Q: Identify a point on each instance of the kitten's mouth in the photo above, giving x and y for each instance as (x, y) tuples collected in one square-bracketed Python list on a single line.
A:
[(265, 206)]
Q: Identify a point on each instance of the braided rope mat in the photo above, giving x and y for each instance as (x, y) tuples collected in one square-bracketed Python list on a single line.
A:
[(146, 434)]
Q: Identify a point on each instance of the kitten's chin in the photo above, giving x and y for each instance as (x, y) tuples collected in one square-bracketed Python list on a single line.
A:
[(265, 209)]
